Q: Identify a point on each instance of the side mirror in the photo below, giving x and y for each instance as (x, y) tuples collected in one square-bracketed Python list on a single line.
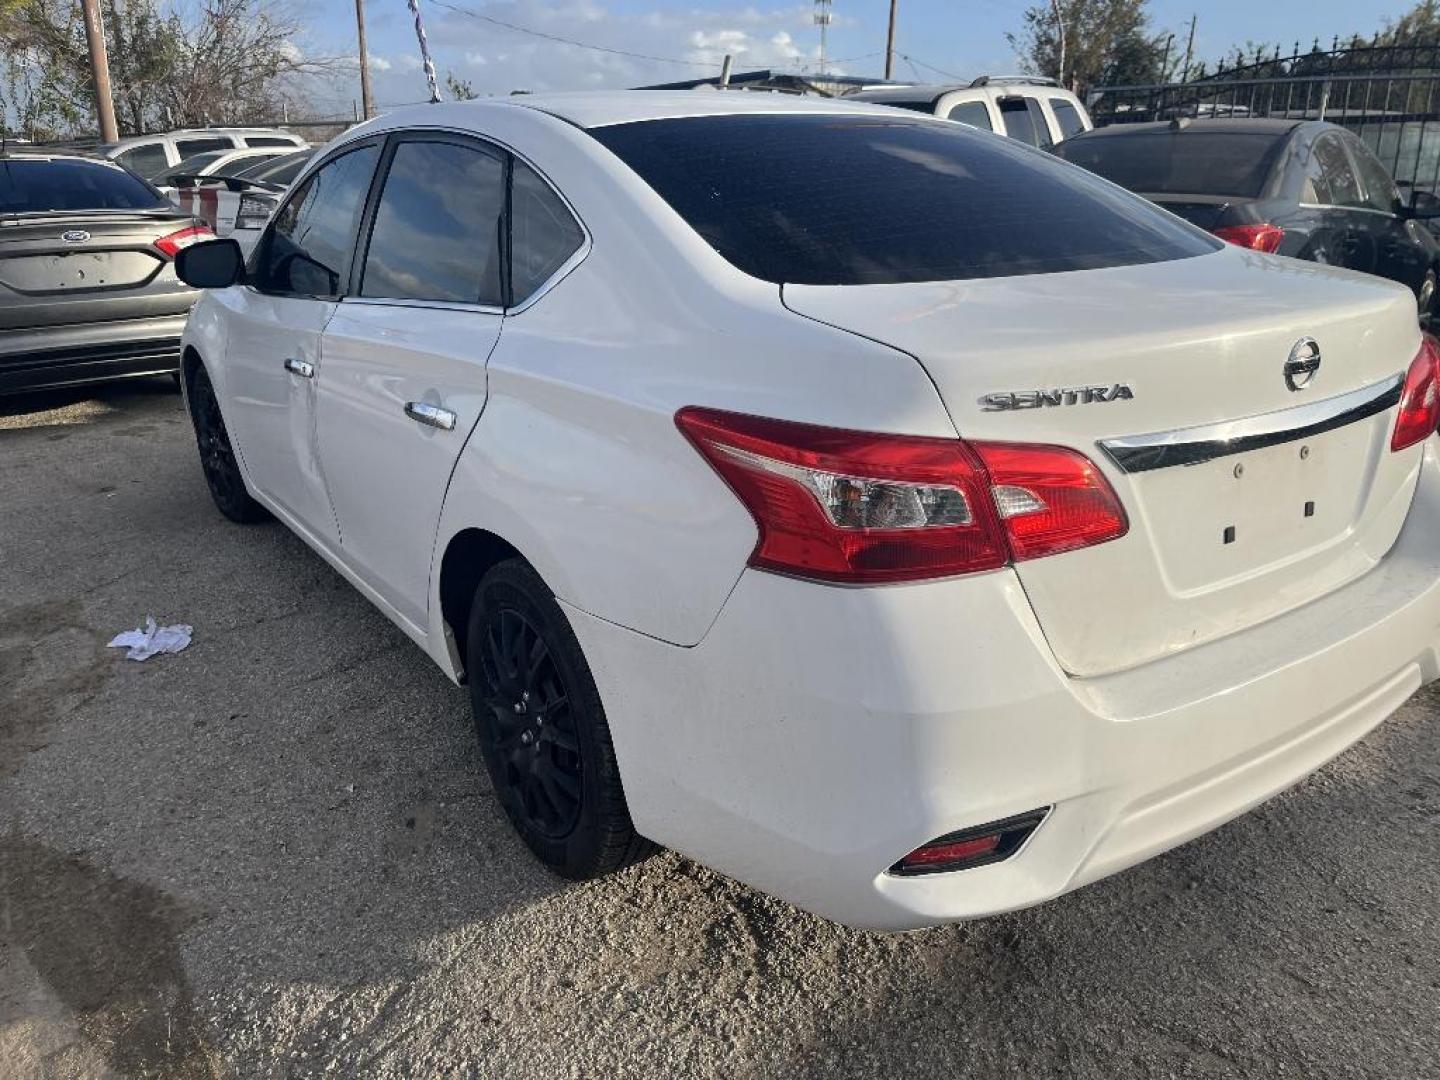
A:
[(210, 264)]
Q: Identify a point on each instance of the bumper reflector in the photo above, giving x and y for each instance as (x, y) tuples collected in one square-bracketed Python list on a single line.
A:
[(969, 848)]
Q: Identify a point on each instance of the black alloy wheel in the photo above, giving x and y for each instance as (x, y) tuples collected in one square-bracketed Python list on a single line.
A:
[(542, 729), (533, 730), (217, 456)]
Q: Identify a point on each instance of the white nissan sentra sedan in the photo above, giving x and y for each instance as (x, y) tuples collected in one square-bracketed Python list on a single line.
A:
[(899, 520)]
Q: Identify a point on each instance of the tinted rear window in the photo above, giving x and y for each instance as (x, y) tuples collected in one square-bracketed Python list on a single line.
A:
[(854, 200), (40, 186), (1179, 163)]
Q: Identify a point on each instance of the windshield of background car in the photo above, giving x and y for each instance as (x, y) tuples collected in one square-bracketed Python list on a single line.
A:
[(41, 185), (858, 199), (1226, 163), (191, 166), (281, 170)]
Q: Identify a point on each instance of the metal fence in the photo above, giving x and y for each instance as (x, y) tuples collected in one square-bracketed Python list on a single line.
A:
[(1389, 95)]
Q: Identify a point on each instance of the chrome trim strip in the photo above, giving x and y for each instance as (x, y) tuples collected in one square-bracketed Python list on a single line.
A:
[(1192, 446)]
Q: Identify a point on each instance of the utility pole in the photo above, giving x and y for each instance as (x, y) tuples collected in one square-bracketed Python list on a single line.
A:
[(822, 20), (1060, 30), (890, 42), (100, 70), (1189, 50), (366, 97)]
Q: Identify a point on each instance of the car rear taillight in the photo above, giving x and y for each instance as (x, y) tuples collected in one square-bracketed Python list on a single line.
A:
[(969, 848), (1256, 237), (1420, 397), (173, 242), (865, 508)]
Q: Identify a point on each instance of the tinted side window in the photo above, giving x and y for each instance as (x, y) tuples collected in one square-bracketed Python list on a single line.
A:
[(915, 201), (543, 233), (191, 147), (268, 140), (309, 245), (973, 113), (1067, 116), (1335, 172), (1024, 121), (437, 226), (145, 160), (1316, 189), (1380, 191)]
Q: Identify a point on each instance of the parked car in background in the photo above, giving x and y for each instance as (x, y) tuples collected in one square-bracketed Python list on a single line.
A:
[(150, 155), (1030, 108), (213, 162), (632, 409), (87, 287), (1304, 188), (239, 203)]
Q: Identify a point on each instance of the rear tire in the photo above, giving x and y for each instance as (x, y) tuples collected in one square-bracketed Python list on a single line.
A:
[(217, 456), (542, 729)]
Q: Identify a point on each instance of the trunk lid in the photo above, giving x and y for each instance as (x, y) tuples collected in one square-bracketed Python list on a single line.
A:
[(66, 268), (1213, 546)]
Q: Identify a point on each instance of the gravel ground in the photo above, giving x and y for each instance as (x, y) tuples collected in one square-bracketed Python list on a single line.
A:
[(276, 854)]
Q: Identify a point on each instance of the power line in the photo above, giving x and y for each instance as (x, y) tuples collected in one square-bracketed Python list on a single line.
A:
[(571, 41), (939, 71)]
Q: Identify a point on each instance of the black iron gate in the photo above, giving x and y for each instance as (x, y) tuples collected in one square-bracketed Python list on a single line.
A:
[(1389, 95)]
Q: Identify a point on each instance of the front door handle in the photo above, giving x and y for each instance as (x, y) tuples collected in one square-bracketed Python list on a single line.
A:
[(303, 368), (424, 413)]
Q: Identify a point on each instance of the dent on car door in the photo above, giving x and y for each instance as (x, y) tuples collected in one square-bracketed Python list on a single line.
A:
[(273, 360), (405, 355)]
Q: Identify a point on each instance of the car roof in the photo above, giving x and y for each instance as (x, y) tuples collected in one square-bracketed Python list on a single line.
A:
[(587, 109), (1229, 125)]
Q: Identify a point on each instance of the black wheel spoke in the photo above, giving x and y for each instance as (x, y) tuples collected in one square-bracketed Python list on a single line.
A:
[(523, 695)]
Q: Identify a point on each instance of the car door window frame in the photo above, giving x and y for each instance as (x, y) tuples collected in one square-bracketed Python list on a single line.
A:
[(350, 293), (1334, 137), (297, 191), (1353, 145)]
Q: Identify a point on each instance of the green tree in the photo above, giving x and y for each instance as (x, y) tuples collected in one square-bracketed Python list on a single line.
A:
[(172, 63), (1105, 41)]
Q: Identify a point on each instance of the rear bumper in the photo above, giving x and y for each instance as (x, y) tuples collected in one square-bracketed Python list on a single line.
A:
[(52, 357), (818, 734)]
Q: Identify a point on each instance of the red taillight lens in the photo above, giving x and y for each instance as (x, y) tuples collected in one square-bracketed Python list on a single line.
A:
[(849, 505), (860, 508), (1420, 398), (1050, 499), (173, 242), (1255, 237)]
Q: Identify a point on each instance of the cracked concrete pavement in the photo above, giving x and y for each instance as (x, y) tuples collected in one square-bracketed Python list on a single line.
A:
[(277, 855)]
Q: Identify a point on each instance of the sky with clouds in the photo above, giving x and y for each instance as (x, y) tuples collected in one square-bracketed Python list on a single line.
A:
[(938, 40)]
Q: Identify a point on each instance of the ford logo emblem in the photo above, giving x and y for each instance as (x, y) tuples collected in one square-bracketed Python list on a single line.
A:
[(75, 236), (1302, 364)]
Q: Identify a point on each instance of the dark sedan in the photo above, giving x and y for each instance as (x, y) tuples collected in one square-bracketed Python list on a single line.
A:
[(1303, 188), (88, 291)]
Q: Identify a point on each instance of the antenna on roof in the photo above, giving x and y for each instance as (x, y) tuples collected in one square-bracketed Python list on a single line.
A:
[(425, 61)]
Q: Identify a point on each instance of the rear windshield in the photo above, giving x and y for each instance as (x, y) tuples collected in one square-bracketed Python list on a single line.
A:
[(41, 185), (1180, 162), (858, 200), (279, 170)]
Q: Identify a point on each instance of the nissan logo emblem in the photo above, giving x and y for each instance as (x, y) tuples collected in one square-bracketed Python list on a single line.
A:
[(1302, 364), (75, 236)]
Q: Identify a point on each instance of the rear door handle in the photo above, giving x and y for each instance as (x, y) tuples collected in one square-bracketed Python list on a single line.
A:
[(423, 412), (303, 368)]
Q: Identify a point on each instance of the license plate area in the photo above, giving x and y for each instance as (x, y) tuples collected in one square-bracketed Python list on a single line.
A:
[(1244, 514), (74, 271)]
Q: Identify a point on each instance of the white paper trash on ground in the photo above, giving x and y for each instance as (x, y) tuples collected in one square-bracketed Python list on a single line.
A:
[(143, 644)]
